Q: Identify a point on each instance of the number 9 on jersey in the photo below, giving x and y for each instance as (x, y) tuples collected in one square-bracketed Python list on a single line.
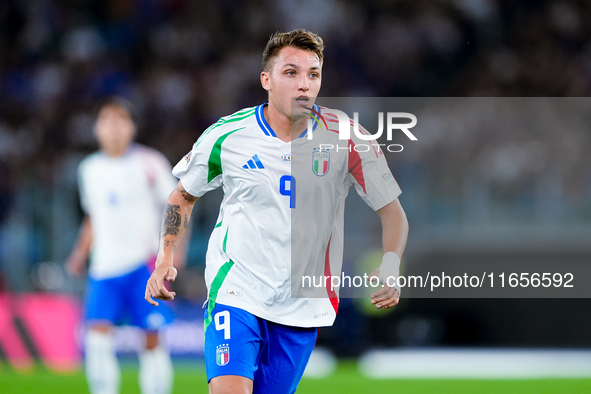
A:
[(287, 187)]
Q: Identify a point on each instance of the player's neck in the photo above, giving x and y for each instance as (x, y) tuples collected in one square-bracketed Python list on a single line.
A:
[(282, 124), (114, 152)]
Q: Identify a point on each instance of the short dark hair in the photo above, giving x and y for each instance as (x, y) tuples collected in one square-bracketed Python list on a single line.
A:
[(301, 39), (117, 102)]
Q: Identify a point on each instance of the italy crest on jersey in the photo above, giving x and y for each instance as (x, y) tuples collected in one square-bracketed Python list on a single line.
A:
[(320, 161), (222, 355)]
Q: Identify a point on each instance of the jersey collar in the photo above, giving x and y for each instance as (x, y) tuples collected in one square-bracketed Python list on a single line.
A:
[(260, 115)]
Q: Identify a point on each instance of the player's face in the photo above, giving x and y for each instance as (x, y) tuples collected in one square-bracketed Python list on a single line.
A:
[(114, 130), (295, 77)]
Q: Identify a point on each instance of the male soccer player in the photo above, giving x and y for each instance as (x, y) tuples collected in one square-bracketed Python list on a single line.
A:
[(123, 189), (258, 338)]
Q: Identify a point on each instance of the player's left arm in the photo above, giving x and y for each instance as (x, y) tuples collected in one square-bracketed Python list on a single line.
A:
[(394, 236)]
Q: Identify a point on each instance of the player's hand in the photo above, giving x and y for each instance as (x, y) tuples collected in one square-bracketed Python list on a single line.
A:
[(76, 264), (155, 286), (386, 297)]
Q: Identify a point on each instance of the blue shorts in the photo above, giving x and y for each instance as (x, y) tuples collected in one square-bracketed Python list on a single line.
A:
[(120, 300), (274, 356)]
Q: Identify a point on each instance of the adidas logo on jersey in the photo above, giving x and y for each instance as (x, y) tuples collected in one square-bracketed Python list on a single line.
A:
[(254, 163)]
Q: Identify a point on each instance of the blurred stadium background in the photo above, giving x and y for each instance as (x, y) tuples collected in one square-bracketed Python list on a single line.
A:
[(490, 193)]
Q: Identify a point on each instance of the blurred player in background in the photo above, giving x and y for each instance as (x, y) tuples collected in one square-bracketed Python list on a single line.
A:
[(257, 337), (123, 189)]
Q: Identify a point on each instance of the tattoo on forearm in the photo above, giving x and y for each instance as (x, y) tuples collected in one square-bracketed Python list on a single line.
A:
[(172, 220), (188, 197), (186, 222)]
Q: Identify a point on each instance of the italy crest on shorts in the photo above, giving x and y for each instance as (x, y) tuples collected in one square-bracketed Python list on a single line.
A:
[(320, 161), (222, 355)]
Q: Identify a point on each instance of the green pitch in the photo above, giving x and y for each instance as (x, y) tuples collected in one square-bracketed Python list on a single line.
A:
[(346, 380)]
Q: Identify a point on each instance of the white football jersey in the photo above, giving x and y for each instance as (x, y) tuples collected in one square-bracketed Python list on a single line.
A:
[(279, 197), (124, 198)]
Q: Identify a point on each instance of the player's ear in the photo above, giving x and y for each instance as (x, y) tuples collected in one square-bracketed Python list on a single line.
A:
[(95, 130), (265, 80)]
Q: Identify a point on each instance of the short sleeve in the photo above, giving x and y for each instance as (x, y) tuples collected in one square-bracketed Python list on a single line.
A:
[(370, 174), (200, 170), (82, 168)]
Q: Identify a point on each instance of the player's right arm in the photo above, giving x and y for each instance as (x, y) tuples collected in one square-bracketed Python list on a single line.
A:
[(175, 221), (76, 262), (198, 172), (78, 258)]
